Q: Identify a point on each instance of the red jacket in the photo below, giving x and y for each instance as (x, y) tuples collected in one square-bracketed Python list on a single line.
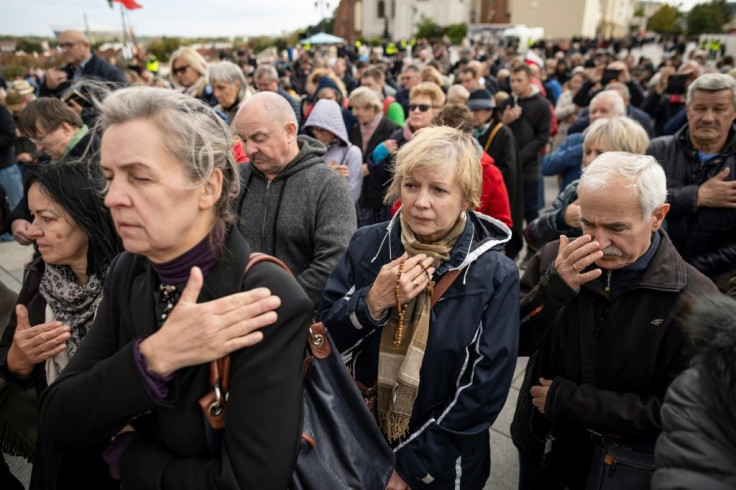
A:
[(494, 199)]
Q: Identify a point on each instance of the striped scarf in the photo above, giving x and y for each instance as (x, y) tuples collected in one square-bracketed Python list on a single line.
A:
[(398, 367)]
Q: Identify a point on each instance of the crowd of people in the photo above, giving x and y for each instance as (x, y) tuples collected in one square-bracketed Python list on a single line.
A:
[(373, 179)]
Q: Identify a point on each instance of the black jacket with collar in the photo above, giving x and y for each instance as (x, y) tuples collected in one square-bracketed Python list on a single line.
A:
[(96, 68), (531, 131), (705, 237), (641, 348), (371, 195), (102, 388)]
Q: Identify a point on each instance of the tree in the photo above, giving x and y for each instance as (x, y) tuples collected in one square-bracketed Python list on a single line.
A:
[(163, 47), (457, 32), (428, 29), (29, 46), (708, 17), (664, 20)]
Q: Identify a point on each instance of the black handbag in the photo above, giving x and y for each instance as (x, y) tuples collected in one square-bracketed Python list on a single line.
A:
[(341, 446)]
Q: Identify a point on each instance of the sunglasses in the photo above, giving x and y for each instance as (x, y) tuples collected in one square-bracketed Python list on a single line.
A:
[(421, 107), (180, 70)]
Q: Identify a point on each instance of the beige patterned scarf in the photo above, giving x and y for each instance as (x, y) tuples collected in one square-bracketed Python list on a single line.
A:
[(398, 367)]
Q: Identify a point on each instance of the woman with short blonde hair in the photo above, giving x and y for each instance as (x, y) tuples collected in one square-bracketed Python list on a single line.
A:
[(378, 307), (189, 74)]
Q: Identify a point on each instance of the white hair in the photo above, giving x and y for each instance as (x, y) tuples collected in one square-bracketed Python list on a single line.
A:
[(619, 107), (647, 177), (712, 82)]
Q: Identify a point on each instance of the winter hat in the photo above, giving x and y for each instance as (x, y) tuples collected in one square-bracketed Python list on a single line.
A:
[(481, 99), (327, 82)]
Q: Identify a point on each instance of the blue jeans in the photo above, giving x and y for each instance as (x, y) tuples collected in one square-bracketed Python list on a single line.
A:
[(12, 182)]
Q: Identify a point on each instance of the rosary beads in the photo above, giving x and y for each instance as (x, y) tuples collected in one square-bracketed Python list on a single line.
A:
[(399, 333)]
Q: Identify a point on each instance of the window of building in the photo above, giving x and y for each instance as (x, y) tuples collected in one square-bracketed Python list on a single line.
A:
[(381, 9)]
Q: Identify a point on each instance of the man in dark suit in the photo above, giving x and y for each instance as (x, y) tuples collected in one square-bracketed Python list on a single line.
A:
[(81, 63)]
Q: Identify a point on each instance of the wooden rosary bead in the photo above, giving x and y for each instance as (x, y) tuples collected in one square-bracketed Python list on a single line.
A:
[(399, 333)]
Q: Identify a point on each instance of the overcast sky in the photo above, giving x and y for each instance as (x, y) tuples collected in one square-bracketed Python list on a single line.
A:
[(173, 17), (162, 17)]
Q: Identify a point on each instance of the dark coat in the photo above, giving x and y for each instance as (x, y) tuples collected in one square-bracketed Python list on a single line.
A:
[(697, 447), (31, 298), (705, 237), (372, 194), (470, 355), (641, 348), (531, 131), (102, 388), (8, 138), (96, 69)]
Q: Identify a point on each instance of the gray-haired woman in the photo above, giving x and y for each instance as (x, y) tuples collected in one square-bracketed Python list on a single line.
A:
[(174, 301), (230, 88)]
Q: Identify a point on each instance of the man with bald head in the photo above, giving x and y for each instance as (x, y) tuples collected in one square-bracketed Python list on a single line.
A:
[(81, 63), (292, 205)]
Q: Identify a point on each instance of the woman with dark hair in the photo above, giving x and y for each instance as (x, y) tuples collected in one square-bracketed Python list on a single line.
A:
[(76, 241)]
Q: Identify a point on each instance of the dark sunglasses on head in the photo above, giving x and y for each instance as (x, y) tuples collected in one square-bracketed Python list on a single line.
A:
[(180, 70), (421, 107)]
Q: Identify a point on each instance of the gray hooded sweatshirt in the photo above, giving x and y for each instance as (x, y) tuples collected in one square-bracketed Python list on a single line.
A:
[(327, 115), (305, 216)]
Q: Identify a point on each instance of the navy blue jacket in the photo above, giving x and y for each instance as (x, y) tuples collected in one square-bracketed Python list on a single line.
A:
[(471, 350)]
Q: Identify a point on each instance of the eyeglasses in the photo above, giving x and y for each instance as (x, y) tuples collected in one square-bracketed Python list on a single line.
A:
[(68, 45), (180, 70), (39, 139), (421, 107)]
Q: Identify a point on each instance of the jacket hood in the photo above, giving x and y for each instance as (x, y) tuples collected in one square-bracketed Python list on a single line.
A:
[(311, 152), (482, 234), (327, 115)]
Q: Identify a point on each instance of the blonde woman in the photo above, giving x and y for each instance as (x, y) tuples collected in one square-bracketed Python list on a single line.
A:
[(189, 75)]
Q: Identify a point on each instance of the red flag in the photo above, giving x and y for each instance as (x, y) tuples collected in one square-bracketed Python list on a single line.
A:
[(129, 4)]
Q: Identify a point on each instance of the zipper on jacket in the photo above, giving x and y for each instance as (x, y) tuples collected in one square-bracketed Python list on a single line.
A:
[(265, 213), (629, 464)]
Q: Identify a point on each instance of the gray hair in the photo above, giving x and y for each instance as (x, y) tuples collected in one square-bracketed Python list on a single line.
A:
[(619, 108), (647, 178), (192, 133), (266, 69), (230, 73), (365, 97), (621, 88), (712, 82)]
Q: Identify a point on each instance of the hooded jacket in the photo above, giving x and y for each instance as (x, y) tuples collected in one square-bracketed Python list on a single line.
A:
[(697, 447), (470, 355), (705, 237), (326, 115), (640, 348), (305, 216)]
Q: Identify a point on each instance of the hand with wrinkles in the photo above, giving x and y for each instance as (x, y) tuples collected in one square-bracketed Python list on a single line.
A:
[(573, 257)]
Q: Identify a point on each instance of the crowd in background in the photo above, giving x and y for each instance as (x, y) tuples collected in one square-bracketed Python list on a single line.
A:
[(550, 111)]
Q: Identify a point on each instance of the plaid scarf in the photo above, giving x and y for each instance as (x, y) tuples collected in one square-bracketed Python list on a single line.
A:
[(398, 367)]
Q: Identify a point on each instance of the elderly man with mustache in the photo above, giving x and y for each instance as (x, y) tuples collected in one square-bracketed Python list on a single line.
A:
[(700, 164), (600, 319)]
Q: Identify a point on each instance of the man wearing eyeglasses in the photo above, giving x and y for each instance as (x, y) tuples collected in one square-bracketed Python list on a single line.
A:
[(81, 63), (59, 134)]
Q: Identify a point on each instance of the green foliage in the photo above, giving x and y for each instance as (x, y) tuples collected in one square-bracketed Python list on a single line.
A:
[(429, 29), (457, 32), (664, 20), (375, 41), (29, 46), (708, 17), (163, 47), (639, 12)]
